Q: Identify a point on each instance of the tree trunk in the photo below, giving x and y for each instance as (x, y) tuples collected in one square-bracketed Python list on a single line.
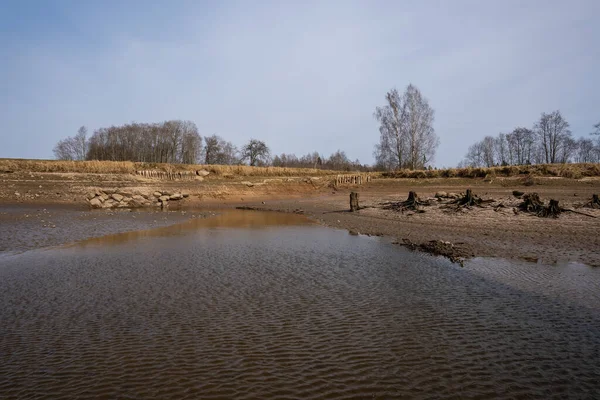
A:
[(354, 201)]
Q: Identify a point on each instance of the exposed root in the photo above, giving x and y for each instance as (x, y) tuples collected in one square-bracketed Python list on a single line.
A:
[(532, 204), (467, 201), (593, 203), (412, 203)]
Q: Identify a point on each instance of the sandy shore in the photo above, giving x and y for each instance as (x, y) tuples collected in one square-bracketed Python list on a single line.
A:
[(476, 232)]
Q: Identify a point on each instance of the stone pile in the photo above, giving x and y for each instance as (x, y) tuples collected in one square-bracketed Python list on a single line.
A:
[(117, 198)]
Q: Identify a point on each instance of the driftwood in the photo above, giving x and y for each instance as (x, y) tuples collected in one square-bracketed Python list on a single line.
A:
[(354, 202), (412, 203)]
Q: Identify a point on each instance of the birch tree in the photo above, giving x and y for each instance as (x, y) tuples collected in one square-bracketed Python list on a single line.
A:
[(407, 137)]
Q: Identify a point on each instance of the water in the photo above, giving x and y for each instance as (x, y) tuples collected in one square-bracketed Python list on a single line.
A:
[(266, 306)]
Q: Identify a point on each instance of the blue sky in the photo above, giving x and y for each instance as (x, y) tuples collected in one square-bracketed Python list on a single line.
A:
[(301, 76)]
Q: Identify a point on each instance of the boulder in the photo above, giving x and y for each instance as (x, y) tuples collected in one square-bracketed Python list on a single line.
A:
[(441, 195), (185, 195), (157, 194), (96, 203), (199, 178), (248, 183), (91, 195), (202, 172), (164, 198), (117, 197), (138, 197), (104, 196), (176, 196)]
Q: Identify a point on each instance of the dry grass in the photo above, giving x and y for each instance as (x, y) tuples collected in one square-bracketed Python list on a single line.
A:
[(128, 167), (572, 171)]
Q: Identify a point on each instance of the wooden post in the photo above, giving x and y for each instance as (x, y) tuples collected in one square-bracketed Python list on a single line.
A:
[(354, 201)]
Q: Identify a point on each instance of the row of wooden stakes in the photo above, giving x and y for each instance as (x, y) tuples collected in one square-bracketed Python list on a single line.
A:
[(179, 175), (352, 179)]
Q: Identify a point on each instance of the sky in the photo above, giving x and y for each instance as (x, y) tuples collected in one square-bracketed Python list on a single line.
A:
[(300, 75)]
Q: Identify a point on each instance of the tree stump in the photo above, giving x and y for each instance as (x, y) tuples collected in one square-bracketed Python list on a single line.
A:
[(354, 201), (552, 210), (594, 203), (531, 203), (411, 203)]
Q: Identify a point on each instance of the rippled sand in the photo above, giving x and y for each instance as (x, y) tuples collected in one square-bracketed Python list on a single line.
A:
[(295, 311)]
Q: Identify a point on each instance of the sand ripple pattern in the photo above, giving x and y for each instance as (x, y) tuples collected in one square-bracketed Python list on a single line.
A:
[(282, 313)]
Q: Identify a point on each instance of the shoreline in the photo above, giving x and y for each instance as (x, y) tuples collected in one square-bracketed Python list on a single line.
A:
[(477, 232)]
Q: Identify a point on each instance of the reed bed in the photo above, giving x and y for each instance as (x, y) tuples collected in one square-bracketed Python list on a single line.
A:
[(128, 167), (572, 171)]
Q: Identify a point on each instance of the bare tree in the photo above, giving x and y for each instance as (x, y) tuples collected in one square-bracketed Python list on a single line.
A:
[(64, 149), (81, 143), (597, 129), (552, 130), (586, 151), (475, 155), (501, 149), (72, 147), (256, 152), (407, 137), (219, 151), (520, 142)]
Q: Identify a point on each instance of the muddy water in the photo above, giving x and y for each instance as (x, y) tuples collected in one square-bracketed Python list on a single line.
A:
[(266, 306)]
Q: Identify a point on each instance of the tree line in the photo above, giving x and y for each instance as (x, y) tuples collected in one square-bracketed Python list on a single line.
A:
[(407, 140), (549, 141), (179, 141)]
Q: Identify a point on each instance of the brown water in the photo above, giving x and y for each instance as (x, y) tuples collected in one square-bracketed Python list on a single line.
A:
[(266, 306)]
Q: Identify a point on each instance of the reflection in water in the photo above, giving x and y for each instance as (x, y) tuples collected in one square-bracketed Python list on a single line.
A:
[(221, 219), (293, 311)]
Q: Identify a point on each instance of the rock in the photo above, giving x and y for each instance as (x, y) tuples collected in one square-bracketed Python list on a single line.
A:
[(91, 195), (164, 198), (176, 196), (126, 199), (185, 195), (104, 197), (199, 178), (117, 196), (96, 203), (166, 193), (202, 172), (441, 195), (453, 195), (110, 191), (157, 194), (138, 197), (248, 183)]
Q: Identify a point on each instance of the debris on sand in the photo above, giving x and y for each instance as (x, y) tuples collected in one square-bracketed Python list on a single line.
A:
[(412, 203), (454, 252)]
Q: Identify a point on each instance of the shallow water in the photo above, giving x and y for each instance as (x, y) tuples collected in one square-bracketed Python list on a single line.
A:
[(265, 305)]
